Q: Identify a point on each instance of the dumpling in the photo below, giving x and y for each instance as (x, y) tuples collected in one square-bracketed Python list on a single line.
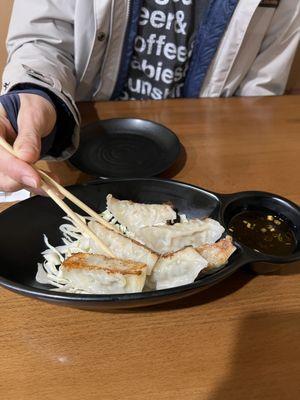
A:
[(123, 247), (170, 238), (217, 254), (135, 216), (176, 269), (94, 273)]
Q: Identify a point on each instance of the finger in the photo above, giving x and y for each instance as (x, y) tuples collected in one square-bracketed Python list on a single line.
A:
[(36, 119), (2, 111), (6, 129), (18, 170), (10, 135), (28, 142), (9, 185)]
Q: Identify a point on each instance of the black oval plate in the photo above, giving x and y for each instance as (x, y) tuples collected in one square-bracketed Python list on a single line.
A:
[(23, 226), (126, 147)]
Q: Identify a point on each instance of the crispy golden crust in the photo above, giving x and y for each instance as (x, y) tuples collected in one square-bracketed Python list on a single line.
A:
[(223, 244), (81, 261), (217, 254)]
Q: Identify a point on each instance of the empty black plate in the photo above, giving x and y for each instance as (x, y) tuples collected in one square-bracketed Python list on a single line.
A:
[(126, 147)]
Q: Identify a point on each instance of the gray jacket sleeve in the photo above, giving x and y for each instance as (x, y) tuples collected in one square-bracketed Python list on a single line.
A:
[(270, 70), (40, 47)]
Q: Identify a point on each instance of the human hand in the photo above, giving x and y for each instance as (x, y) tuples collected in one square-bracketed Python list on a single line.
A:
[(36, 119)]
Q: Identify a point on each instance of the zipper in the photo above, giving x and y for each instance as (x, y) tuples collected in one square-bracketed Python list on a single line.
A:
[(128, 10)]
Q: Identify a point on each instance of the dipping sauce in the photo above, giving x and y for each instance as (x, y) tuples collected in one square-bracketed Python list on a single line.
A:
[(264, 232)]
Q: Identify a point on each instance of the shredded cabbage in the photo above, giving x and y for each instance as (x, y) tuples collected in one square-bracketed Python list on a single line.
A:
[(74, 241)]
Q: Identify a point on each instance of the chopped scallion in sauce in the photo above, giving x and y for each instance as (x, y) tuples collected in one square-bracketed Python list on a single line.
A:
[(263, 232)]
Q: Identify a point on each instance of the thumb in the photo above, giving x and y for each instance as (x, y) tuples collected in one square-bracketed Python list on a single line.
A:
[(2, 111), (28, 142)]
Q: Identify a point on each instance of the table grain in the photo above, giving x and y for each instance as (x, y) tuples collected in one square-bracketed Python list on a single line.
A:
[(237, 341)]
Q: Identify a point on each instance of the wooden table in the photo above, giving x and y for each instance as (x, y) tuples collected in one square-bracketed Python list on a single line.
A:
[(238, 341)]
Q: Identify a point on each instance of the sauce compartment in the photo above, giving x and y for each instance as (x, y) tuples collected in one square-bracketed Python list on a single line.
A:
[(273, 223)]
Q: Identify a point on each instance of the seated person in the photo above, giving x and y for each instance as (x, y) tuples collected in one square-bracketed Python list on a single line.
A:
[(62, 52)]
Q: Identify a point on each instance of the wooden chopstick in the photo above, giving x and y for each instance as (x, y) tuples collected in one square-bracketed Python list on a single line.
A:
[(76, 201), (77, 221), (47, 182)]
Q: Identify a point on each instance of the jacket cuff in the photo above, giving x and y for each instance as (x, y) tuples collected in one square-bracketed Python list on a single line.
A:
[(61, 137), (25, 76), (11, 103)]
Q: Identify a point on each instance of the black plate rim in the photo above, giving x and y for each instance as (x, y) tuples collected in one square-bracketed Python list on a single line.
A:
[(204, 281)]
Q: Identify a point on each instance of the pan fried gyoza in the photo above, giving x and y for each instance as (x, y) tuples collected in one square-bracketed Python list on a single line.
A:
[(149, 252), (124, 247), (135, 215), (176, 269), (170, 238), (217, 254), (94, 273)]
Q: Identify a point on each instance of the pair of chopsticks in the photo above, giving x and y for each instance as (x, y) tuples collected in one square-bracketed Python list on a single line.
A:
[(48, 184)]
